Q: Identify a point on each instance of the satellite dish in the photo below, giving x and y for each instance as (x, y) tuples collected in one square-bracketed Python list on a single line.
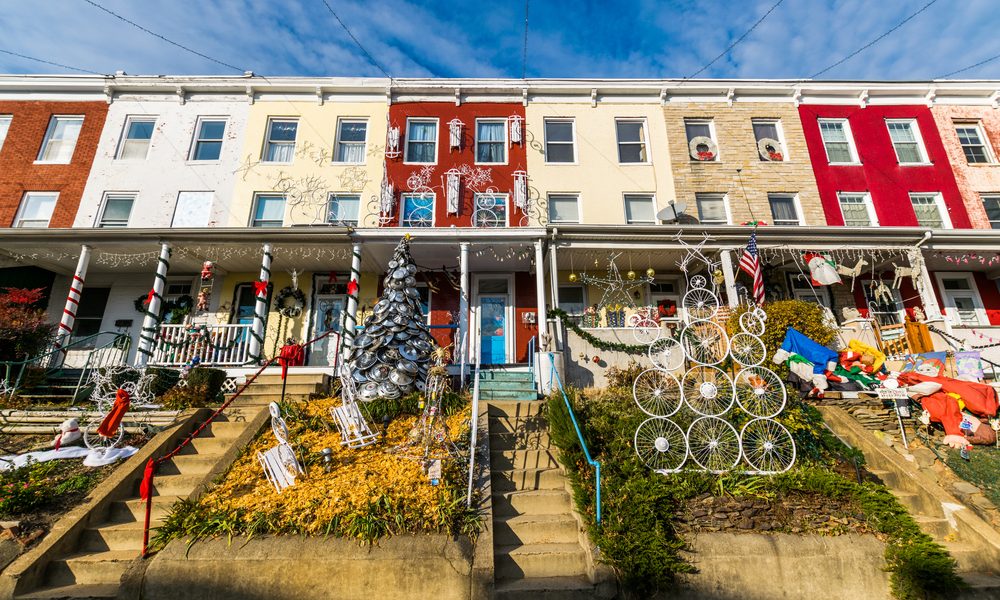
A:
[(671, 212)]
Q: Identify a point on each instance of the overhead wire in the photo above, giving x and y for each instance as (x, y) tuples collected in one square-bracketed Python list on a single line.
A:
[(357, 42), (737, 41), (524, 51), (49, 62), (970, 67)]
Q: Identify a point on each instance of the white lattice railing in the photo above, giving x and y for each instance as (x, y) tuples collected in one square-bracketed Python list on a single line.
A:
[(214, 345)]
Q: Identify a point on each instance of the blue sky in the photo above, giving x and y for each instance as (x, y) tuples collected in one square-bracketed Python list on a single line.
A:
[(585, 38)]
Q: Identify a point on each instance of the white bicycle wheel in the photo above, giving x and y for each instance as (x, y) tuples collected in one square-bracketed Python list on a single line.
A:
[(704, 342), (767, 446), (713, 444), (645, 330), (760, 392), (96, 441), (661, 444), (747, 349), (700, 303), (666, 354), (707, 390), (751, 323), (657, 393)]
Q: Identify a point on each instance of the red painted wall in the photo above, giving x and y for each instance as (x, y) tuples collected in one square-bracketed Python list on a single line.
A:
[(879, 172), (399, 172), (20, 174)]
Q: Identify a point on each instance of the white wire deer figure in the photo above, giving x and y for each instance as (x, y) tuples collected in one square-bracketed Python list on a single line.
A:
[(902, 272), (852, 272)]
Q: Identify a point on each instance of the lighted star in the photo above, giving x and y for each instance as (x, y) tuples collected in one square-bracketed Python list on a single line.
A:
[(617, 291)]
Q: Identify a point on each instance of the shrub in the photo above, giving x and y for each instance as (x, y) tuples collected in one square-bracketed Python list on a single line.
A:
[(807, 317), (209, 378), (24, 329)]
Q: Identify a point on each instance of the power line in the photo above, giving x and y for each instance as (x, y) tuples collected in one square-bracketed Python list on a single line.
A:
[(49, 62), (970, 67), (169, 41), (738, 40), (371, 59), (875, 41), (524, 53)]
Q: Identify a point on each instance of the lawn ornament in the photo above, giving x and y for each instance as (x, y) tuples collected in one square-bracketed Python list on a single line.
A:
[(279, 463), (69, 432), (902, 272), (852, 272), (351, 423)]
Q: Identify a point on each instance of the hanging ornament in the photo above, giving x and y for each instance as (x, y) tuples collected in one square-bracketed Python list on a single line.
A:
[(650, 273), (717, 277), (573, 277), (596, 359), (630, 275), (207, 270)]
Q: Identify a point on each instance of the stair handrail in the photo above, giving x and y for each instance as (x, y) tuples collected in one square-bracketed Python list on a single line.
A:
[(554, 376), (9, 365), (531, 362), (475, 431), (122, 343), (146, 487)]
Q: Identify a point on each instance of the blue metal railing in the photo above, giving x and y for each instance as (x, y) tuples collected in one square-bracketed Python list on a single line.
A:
[(554, 375), (474, 433), (531, 362)]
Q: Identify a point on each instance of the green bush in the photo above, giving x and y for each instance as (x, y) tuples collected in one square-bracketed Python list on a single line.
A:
[(807, 317), (208, 378)]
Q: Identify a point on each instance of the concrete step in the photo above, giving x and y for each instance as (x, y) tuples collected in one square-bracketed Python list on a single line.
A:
[(505, 460), (296, 378), (248, 399), (514, 409), (504, 375), (971, 559), (532, 502), (172, 485), (528, 479), (521, 440), (544, 588), (502, 384), (981, 587), (919, 504), (207, 446), (938, 529), (95, 591), (89, 568), (188, 464), (134, 509), (521, 395), (112, 536), (535, 529), (263, 389), (539, 560)]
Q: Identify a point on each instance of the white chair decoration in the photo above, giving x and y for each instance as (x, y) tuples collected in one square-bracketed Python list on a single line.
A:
[(521, 190), (279, 463), (354, 430)]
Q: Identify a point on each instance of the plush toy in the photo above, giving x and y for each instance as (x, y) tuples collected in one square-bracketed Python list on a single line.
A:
[(69, 432)]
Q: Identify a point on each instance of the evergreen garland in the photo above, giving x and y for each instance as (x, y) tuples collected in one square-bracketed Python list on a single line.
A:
[(596, 342), (200, 335)]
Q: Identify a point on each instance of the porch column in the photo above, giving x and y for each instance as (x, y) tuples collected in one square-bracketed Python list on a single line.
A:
[(554, 287), (256, 349), (925, 287), (151, 320), (463, 310), (539, 293), (351, 314), (730, 277), (73, 297)]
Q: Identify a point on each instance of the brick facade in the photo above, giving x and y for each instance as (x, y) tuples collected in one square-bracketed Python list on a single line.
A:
[(738, 150), (972, 179), (20, 174)]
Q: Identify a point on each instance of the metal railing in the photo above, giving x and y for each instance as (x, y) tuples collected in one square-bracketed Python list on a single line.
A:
[(14, 371), (212, 345), (531, 362), (112, 354), (554, 375), (474, 433)]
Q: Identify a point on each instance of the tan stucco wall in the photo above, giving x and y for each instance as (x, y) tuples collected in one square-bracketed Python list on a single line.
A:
[(974, 179), (596, 175), (738, 150)]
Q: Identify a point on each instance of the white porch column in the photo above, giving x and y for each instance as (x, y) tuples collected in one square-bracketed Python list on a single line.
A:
[(257, 329), (539, 293), (151, 320), (730, 276), (554, 291), (464, 338), (351, 314), (925, 287), (73, 297)]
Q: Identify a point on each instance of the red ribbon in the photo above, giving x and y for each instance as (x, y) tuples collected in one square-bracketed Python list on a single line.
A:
[(149, 296), (146, 487), (260, 288), (291, 355), (60, 437), (352, 287), (113, 420)]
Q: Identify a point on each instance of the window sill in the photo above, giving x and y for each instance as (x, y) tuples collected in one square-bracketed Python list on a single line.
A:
[(406, 162), (558, 164), (843, 164), (52, 162), (339, 163), (274, 163), (635, 164), (203, 162), (920, 164), (695, 161)]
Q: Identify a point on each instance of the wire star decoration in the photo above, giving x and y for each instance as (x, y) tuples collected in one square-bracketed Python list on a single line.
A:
[(617, 291)]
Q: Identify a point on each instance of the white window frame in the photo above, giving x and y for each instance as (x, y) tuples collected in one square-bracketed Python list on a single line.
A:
[(781, 136), (6, 130), (920, 143), (645, 136), (579, 206), (983, 197), (402, 207), (21, 206), (855, 159), (336, 142), (991, 157), (545, 140), (869, 206), (505, 202), (195, 139), (725, 204), (939, 202), (104, 207), (796, 203), (253, 210), (124, 136), (583, 296), (506, 140), (652, 199), (48, 137), (294, 143), (947, 298), (711, 133), (336, 195), (437, 140)]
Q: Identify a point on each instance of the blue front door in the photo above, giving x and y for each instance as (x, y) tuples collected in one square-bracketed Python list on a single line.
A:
[(493, 328)]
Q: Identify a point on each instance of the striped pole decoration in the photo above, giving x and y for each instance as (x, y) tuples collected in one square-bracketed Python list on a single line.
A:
[(256, 348), (151, 318), (351, 312), (73, 297)]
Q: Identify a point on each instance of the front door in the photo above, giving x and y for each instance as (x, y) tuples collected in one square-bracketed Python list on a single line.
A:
[(327, 313), (493, 328)]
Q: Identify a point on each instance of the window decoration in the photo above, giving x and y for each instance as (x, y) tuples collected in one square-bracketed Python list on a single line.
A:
[(521, 190), (516, 129), (452, 185), (392, 149), (455, 133), (387, 201), (491, 210), (703, 148), (770, 150)]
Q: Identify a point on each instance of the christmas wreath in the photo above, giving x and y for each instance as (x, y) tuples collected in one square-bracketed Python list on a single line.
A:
[(703, 147), (177, 309), (290, 302), (770, 149)]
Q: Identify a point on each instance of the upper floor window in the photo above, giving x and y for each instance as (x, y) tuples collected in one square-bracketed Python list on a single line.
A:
[(631, 140), (491, 210), (784, 209), (135, 142), (418, 210), (208, 139), (560, 146), (702, 144), (991, 202), (857, 209), (421, 141), (60, 140), (268, 211), (343, 209), (836, 134), (770, 142), (36, 209), (280, 144), (4, 126), (640, 209), (117, 210), (712, 209), (352, 135), (930, 210), (564, 208), (194, 209), (970, 135), (906, 140), (491, 141)]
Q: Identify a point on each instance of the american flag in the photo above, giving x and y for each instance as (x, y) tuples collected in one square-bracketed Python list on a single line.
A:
[(750, 264)]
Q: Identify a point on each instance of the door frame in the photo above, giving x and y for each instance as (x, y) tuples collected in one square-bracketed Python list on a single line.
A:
[(948, 300), (509, 330), (313, 295)]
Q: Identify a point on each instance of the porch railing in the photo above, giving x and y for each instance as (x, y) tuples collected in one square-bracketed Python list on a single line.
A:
[(215, 345), (13, 372), (111, 354)]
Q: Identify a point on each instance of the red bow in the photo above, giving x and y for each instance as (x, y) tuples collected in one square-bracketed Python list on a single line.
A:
[(260, 288), (291, 355), (149, 296), (352, 287), (109, 426)]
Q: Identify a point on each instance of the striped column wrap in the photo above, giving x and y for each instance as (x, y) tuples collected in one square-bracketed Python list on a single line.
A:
[(73, 298), (351, 311), (151, 317), (256, 349)]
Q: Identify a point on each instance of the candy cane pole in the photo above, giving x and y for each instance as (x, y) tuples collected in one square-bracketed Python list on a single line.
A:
[(73, 298), (151, 320), (256, 348), (351, 314)]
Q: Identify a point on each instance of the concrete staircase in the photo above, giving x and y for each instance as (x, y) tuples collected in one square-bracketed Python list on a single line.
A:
[(504, 383), (537, 548)]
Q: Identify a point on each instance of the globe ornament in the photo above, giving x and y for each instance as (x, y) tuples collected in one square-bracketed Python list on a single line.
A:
[(573, 277), (630, 275), (650, 272)]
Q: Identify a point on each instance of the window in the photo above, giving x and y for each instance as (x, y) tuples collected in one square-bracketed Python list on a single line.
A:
[(640, 208), (565, 208), (490, 211), (701, 128), (712, 209), (906, 140), (961, 299), (60, 140), (343, 209), (784, 209), (208, 139), (836, 134), (572, 300), (857, 210), (665, 295), (631, 141), (421, 141), (245, 303), (268, 211), (352, 135), (4, 126), (886, 311), (992, 205), (280, 144), (930, 211), (774, 149), (970, 135), (491, 141), (193, 209), (135, 142), (36, 209), (117, 209), (418, 210), (90, 312), (559, 141)]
